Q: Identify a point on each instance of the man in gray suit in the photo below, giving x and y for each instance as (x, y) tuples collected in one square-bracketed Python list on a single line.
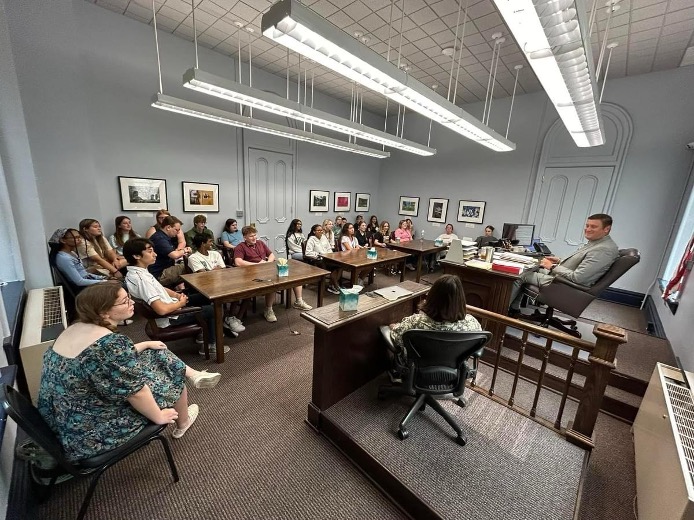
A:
[(584, 267)]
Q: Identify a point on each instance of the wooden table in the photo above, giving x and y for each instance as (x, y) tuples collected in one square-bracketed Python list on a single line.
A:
[(236, 283), (356, 261), (348, 350), (419, 248)]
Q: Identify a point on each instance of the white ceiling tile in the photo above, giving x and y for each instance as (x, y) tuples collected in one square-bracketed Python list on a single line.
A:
[(244, 12), (676, 5), (678, 16), (324, 9), (371, 23), (357, 10), (340, 19), (444, 7), (665, 62), (139, 11), (113, 5), (648, 12), (680, 37), (171, 14), (636, 4), (210, 7), (180, 5), (423, 16), (650, 23), (644, 44), (487, 22), (480, 9), (644, 35)]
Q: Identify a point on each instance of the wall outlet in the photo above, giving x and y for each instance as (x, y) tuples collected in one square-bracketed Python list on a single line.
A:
[(467, 224), (239, 213)]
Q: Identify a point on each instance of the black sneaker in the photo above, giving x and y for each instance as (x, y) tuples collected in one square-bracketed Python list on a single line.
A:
[(394, 376)]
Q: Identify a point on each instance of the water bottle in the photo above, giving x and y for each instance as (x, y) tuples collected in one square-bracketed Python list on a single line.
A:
[(421, 235)]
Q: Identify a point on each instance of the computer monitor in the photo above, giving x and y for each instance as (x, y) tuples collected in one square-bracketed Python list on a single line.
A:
[(519, 234)]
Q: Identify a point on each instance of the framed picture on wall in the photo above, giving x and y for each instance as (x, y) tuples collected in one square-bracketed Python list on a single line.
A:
[(137, 194), (438, 209), (362, 202), (318, 200), (200, 197), (471, 211), (343, 201), (409, 206)]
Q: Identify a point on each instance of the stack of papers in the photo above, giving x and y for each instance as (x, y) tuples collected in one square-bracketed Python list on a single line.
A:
[(513, 257), (479, 264), (508, 267), (469, 249)]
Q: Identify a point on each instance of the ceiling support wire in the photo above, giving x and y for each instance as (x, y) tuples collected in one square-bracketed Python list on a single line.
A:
[(305, 90), (390, 27), (495, 36), (287, 72), (351, 109), (497, 44), (611, 47), (455, 45), (298, 83), (397, 123), (611, 9), (429, 138), (238, 38), (313, 76), (513, 97), (195, 34), (250, 63), (156, 44), (402, 126), (402, 19), (593, 12), (460, 55)]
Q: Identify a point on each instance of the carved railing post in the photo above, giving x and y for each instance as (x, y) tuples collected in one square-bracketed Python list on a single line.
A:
[(602, 362)]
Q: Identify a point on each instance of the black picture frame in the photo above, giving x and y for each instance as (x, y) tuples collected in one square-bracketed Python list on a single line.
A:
[(142, 194)]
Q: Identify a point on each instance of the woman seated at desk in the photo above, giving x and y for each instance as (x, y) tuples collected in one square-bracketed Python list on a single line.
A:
[(488, 237), (318, 245), (444, 309), (98, 389)]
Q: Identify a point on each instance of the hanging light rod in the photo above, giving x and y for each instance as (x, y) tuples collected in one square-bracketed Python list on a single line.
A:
[(188, 108), (552, 35), (213, 85), (291, 24)]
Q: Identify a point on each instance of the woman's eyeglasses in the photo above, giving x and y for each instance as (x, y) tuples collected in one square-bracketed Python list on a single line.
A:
[(126, 301)]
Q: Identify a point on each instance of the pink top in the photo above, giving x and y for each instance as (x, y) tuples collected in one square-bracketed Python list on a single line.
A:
[(403, 235)]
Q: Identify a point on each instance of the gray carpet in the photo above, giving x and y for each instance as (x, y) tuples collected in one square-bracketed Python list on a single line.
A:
[(511, 468), (630, 318), (250, 455)]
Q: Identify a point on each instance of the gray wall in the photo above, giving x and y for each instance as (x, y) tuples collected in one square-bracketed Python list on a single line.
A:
[(654, 175), (87, 77)]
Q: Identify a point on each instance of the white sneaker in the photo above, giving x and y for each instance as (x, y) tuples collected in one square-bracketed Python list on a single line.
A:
[(233, 324), (269, 315), (301, 305), (213, 350)]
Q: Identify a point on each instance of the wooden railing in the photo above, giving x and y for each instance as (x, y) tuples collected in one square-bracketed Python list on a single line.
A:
[(601, 361)]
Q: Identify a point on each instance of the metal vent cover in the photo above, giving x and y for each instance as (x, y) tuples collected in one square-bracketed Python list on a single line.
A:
[(52, 307), (682, 404)]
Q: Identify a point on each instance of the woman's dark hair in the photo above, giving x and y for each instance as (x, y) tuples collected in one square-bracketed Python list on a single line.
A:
[(135, 247), (312, 233), (292, 227), (95, 300), (371, 219), (119, 235), (345, 228), (446, 300), (490, 228), (228, 223)]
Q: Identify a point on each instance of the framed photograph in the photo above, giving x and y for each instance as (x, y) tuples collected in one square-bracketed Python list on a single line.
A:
[(199, 197), (318, 200), (362, 202), (409, 206), (343, 201), (471, 211), (138, 194), (438, 209)]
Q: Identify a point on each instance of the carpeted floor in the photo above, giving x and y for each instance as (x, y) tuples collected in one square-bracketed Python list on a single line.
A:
[(630, 318), (250, 454)]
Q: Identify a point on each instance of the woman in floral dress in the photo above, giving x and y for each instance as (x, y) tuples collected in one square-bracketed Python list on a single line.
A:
[(98, 389)]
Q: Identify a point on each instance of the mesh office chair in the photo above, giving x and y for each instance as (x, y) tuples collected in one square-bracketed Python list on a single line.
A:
[(29, 419), (572, 298), (437, 365)]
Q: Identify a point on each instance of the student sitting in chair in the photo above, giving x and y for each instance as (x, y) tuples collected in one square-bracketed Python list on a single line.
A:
[(63, 244), (98, 389), (444, 309), (141, 284), (199, 228)]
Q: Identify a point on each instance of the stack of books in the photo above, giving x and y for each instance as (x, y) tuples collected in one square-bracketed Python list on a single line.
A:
[(469, 249)]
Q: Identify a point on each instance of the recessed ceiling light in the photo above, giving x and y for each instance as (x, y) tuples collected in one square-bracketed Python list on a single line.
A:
[(447, 51)]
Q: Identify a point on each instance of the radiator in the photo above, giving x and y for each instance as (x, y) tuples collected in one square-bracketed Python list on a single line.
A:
[(44, 319), (664, 448)]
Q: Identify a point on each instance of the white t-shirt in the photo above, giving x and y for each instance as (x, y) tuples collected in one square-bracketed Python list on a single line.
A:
[(199, 262), (346, 240), (447, 239), (142, 284)]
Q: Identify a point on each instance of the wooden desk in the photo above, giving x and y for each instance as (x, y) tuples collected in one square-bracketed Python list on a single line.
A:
[(237, 283), (348, 350), (356, 261), (419, 248)]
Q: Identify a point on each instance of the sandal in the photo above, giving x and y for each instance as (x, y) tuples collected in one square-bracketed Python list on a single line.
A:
[(193, 410)]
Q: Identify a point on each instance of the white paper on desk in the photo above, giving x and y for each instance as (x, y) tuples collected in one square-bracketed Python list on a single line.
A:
[(393, 293), (479, 264), (468, 243), (513, 257)]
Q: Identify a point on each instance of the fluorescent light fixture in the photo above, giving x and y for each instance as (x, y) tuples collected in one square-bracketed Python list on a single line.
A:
[(291, 24), (188, 108), (552, 35), (207, 83)]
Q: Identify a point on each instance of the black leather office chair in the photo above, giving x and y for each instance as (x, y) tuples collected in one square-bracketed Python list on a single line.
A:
[(437, 365), (29, 419), (572, 298)]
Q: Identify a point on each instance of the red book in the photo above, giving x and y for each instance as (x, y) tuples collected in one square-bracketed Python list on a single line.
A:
[(505, 268)]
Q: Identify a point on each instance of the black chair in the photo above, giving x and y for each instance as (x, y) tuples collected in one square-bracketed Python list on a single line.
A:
[(437, 365), (29, 419), (572, 298), (174, 331)]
